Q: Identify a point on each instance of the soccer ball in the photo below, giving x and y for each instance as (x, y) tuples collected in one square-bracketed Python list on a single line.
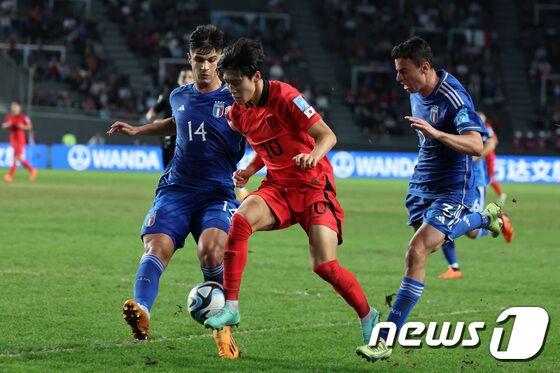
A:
[(205, 300)]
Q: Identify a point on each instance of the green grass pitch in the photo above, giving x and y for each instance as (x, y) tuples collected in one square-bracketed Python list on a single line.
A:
[(70, 249)]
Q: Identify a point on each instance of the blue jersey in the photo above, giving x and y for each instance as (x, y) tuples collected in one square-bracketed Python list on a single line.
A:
[(441, 171), (207, 149), (480, 170)]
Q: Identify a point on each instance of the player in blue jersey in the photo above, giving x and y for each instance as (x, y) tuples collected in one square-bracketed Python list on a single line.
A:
[(481, 182), (442, 186), (195, 194)]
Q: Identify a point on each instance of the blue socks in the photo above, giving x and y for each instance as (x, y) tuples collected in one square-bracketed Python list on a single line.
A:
[(408, 295), (215, 274), (147, 280), (448, 249), (469, 222)]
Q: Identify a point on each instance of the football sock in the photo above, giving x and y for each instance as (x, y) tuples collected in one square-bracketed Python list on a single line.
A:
[(13, 168), (147, 280), (408, 295), (215, 274), (497, 188), (469, 222), (345, 284), (232, 305), (482, 232), (26, 165), (367, 319), (235, 255), (448, 249)]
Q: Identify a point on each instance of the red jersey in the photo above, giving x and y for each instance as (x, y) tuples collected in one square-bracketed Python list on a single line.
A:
[(492, 155), (276, 128), (17, 135)]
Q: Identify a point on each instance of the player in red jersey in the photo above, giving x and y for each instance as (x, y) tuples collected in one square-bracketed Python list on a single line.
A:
[(490, 162), (291, 139), (18, 123)]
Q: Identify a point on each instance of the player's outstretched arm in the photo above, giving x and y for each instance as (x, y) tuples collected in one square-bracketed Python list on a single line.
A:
[(469, 142), (160, 127), (6, 125), (241, 177), (324, 138)]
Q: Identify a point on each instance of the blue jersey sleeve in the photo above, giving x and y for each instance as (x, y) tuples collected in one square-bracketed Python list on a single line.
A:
[(466, 119)]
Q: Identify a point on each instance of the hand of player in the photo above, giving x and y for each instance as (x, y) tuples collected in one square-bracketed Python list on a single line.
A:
[(124, 128), (421, 125), (6, 125), (304, 160), (241, 177)]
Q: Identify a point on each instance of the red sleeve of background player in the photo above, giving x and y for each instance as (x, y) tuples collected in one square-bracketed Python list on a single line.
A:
[(229, 118), (26, 120), (299, 112)]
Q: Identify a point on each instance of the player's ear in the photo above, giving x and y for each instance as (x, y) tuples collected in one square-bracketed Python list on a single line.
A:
[(189, 58), (257, 76)]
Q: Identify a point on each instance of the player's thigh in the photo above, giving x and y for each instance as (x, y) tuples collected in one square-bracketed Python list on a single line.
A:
[(160, 245), (210, 227), (258, 213), (323, 244)]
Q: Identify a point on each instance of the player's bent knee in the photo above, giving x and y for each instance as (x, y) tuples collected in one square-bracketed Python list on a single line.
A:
[(155, 248), (211, 254), (416, 255)]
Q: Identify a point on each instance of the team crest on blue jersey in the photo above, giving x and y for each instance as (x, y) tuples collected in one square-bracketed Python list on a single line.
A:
[(219, 109), (434, 114)]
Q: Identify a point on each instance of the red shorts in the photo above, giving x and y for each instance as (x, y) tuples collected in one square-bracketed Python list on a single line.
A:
[(304, 205), (18, 148)]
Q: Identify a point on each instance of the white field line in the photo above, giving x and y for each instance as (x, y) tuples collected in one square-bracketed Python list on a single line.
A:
[(12, 354)]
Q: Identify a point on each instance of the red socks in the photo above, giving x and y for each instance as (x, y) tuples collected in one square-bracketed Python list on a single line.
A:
[(345, 284), (24, 164), (496, 187), (235, 255)]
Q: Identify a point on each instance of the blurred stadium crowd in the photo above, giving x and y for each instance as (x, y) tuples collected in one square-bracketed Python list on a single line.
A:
[(357, 32)]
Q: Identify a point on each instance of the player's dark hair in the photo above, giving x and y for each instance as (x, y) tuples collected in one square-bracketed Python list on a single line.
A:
[(245, 56), (205, 38), (186, 68), (416, 49), (16, 102)]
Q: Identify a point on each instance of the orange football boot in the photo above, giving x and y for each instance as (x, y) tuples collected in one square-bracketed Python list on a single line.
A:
[(137, 318), (227, 348), (507, 228), (451, 274)]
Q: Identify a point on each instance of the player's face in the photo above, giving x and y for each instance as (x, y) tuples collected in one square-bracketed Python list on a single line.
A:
[(204, 66), (15, 108), (185, 77), (241, 87), (412, 77)]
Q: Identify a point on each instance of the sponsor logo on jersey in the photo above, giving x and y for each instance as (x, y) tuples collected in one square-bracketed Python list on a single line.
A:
[(434, 114), (181, 108), (219, 109)]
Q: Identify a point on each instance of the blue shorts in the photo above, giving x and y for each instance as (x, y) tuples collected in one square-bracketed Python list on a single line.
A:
[(178, 212), (479, 199), (441, 213)]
